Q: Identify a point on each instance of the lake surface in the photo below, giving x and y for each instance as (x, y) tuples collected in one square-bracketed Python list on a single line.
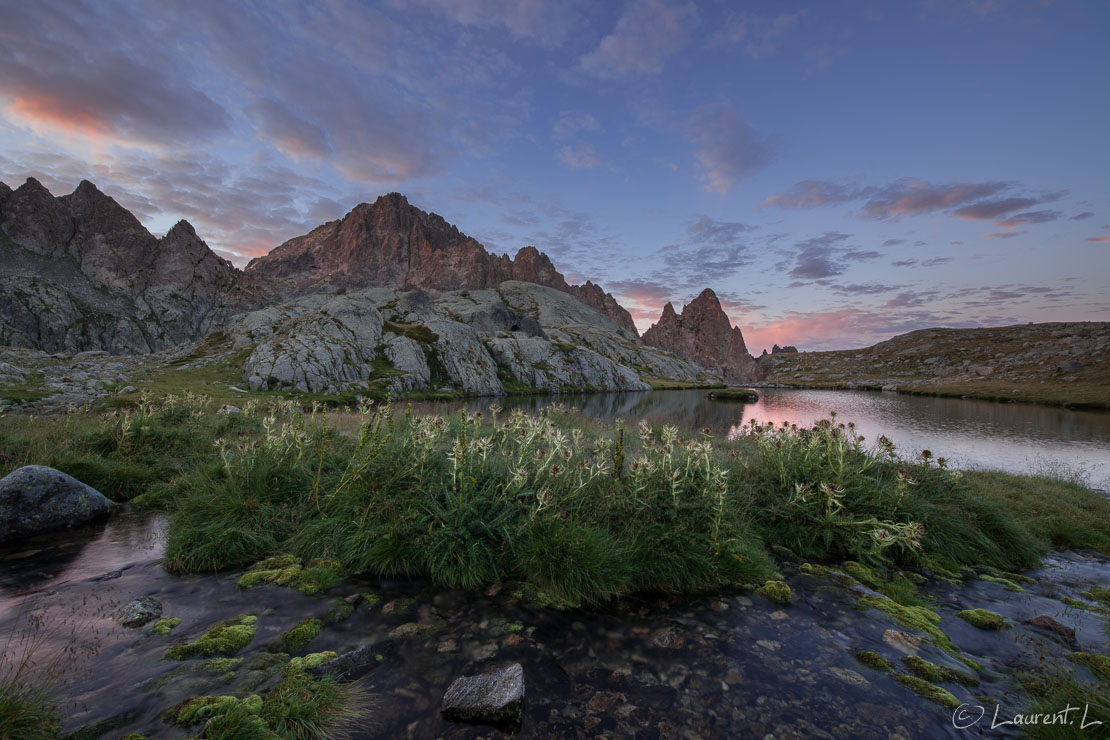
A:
[(1019, 438)]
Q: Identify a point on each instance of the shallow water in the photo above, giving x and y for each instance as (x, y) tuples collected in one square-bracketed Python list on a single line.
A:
[(718, 666), (1018, 438)]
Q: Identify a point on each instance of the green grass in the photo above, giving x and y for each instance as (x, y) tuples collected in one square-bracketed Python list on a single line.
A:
[(578, 511)]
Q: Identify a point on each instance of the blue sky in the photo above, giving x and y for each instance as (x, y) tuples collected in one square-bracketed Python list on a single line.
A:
[(836, 172)]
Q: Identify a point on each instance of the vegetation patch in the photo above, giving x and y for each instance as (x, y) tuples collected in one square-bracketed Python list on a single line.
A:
[(285, 570), (926, 690), (1098, 664), (984, 619), (165, 625), (871, 659), (935, 673), (776, 591), (301, 634), (225, 638), (418, 332)]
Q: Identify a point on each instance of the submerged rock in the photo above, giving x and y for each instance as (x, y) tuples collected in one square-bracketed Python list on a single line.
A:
[(354, 664), (37, 499), (1045, 622), (140, 611), (495, 697)]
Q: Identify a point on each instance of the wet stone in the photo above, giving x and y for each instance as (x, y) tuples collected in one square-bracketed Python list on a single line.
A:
[(494, 698), (140, 611), (902, 641), (1051, 625)]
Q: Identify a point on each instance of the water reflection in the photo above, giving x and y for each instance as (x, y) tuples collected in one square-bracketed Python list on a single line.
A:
[(1014, 437)]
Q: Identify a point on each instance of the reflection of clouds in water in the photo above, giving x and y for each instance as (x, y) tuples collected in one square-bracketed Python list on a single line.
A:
[(1013, 437)]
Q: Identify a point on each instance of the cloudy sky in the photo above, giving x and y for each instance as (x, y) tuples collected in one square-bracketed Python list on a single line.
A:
[(837, 172)]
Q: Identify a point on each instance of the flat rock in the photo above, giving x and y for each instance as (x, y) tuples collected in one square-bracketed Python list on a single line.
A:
[(494, 698), (37, 499)]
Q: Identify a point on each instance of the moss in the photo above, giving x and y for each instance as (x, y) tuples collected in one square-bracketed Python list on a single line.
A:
[(200, 708), (285, 570), (133, 736), (871, 659), (301, 634), (257, 577), (340, 611), (1017, 578), (1098, 594), (165, 625), (222, 665), (226, 638), (926, 690), (937, 674), (1004, 582), (861, 573), (1098, 664), (983, 619), (371, 599), (915, 617), (277, 562), (1077, 604), (320, 575), (310, 661), (267, 661), (776, 591)]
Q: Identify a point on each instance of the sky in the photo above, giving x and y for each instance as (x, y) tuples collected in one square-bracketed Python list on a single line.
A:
[(837, 172)]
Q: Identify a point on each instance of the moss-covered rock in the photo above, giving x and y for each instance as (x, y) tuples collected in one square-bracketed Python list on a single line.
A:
[(937, 674), (1098, 664), (871, 659), (225, 638), (927, 690), (984, 619), (776, 591), (200, 708), (165, 625), (301, 634), (310, 661), (914, 617), (861, 573), (340, 611), (1006, 583)]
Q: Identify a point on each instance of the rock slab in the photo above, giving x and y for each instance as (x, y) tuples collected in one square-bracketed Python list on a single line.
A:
[(36, 499), (495, 697)]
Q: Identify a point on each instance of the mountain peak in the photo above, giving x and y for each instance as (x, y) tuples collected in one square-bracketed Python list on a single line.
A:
[(704, 334)]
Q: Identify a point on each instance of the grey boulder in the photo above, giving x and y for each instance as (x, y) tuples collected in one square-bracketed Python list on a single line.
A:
[(140, 611), (495, 697), (37, 499)]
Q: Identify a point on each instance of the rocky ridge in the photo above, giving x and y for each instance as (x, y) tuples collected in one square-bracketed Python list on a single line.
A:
[(79, 272), (389, 298), (392, 244), (1023, 362), (703, 333)]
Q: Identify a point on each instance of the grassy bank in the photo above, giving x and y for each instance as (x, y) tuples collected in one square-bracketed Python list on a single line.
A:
[(577, 511)]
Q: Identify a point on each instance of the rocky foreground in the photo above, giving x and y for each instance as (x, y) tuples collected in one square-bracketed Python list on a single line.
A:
[(1063, 363)]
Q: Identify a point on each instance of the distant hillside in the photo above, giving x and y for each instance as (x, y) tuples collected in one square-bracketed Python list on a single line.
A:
[(1061, 363)]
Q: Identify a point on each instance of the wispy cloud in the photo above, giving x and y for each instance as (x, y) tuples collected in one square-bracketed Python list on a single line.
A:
[(912, 197), (758, 35), (579, 156), (726, 147), (647, 34)]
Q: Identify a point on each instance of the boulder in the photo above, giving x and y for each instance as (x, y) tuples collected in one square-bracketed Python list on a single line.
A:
[(495, 697), (140, 611), (37, 499)]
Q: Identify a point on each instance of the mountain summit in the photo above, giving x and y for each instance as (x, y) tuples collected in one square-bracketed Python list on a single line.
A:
[(704, 334), (392, 244)]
